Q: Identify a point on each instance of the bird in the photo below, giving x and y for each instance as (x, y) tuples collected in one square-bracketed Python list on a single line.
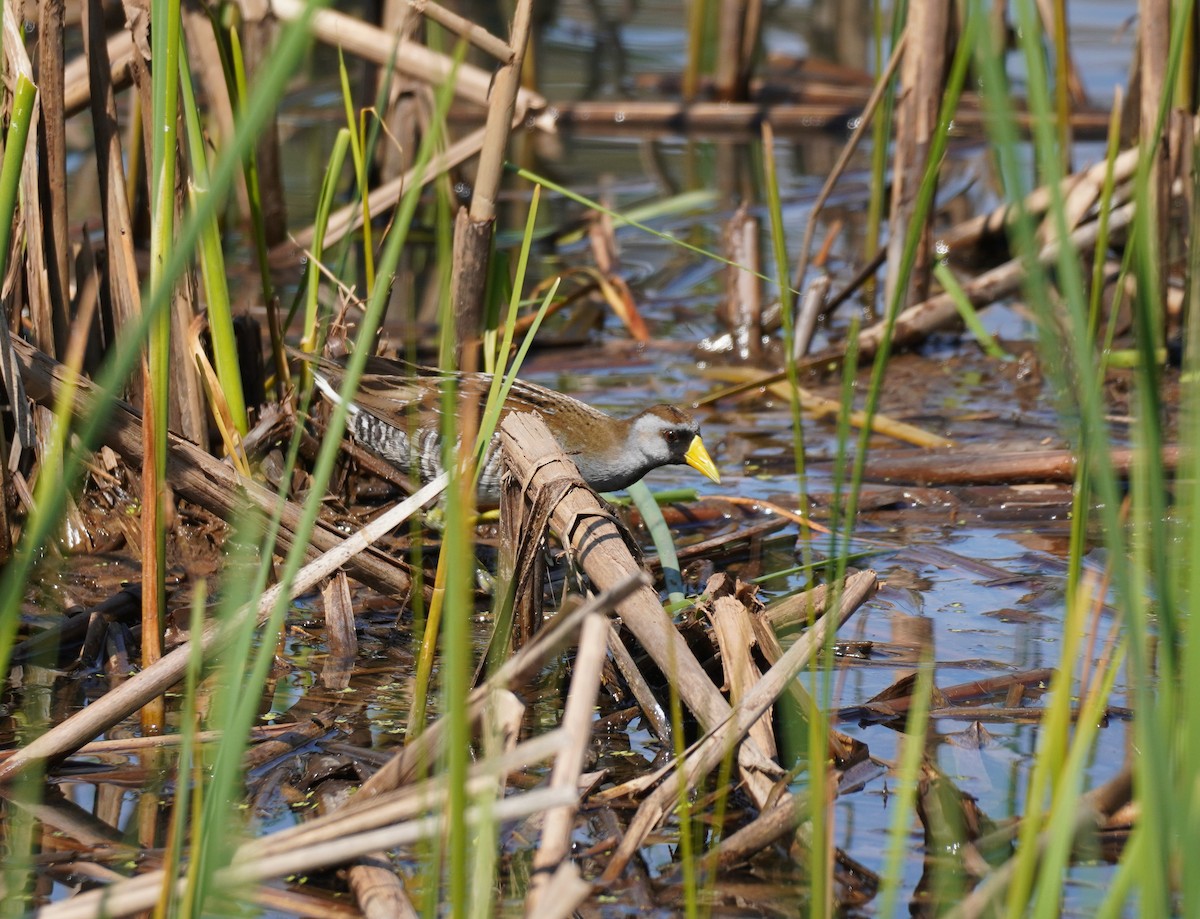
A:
[(396, 414)]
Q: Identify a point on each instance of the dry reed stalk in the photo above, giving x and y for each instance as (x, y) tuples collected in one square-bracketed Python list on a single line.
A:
[(77, 85), (664, 120), (309, 727), (739, 22), (125, 745), (377, 890), (592, 535), (742, 307), (121, 277), (564, 892), (797, 610), (257, 36), (521, 568), (47, 324), (476, 35), (731, 622), (812, 305), (568, 765), (198, 477), (53, 168), (733, 732), (158, 501), (652, 710), (922, 80), (473, 228), (820, 407), (339, 632), (839, 168), (769, 827)]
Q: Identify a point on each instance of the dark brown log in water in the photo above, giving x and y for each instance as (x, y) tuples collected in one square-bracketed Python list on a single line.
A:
[(954, 467)]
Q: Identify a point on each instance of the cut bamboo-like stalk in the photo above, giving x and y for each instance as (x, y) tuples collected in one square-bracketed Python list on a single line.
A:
[(720, 739), (583, 525)]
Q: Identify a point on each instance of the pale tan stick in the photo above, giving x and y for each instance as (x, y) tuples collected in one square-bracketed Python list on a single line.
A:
[(923, 71), (478, 36), (160, 741), (568, 765), (412, 59), (378, 890), (565, 892), (735, 637), (504, 103), (77, 90)]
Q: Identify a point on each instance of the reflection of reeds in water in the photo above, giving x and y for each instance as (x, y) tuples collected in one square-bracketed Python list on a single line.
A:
[(130, 315)]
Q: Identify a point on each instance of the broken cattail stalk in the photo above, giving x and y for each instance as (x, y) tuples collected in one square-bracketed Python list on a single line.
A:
[(589, 531)]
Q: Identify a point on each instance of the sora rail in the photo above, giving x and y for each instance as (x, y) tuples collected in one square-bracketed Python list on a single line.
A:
[(396, 414)]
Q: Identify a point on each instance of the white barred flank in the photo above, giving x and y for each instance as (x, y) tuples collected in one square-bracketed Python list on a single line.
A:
[(420, 455)]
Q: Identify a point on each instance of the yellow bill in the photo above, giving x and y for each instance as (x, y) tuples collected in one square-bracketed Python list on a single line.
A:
[(697, 457)]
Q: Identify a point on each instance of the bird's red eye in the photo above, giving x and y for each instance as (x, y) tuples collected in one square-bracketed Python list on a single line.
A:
[(671, 436)]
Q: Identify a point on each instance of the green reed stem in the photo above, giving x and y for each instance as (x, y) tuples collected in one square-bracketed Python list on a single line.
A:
[(211, 258), (23, 98), (358, 139), (329, 185), (165, 41)]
